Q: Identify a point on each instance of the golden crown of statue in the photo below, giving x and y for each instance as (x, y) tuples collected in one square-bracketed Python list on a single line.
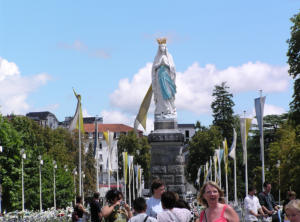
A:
[(162, 40)]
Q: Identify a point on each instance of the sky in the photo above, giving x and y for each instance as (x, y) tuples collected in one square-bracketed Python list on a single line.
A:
[(105, 49)]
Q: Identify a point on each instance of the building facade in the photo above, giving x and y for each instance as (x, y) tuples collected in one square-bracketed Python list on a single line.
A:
[(44, 119), (102, 151)]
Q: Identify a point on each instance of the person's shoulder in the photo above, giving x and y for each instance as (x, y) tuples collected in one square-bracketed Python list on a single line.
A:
[(247, 198), (161, 214), (181, 210), (149, 200), (255, 197), (228, 208), (134, 218), (151, 219), (261, 194)]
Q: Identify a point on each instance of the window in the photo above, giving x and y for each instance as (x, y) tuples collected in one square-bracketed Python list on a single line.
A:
[(187, 134)]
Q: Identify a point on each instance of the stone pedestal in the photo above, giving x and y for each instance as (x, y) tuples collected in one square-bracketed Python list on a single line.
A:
[(166, 159)]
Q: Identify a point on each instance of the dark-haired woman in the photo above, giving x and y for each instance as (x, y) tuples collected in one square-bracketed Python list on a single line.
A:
[(212, 197), (172, 213), (79, 209), (115, 208)]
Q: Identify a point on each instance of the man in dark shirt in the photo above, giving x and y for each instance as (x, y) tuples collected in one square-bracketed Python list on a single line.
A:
[(96, 215), (267, 201)]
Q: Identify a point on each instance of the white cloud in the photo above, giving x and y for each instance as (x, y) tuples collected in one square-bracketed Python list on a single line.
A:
[(129, 95), (113, 116), (14, 89), (120, 117), (195, 85), (8, 69), (273, 110), (270, 110)]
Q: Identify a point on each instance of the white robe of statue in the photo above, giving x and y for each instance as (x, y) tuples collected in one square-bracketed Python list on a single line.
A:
[(163, 84)]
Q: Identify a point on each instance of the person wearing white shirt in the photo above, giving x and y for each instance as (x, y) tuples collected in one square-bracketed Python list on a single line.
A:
[(154, 203), (140, 206), (252, 206)]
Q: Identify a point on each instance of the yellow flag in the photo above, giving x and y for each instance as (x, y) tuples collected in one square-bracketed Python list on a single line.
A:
[(77, 119), (225, 146), (245, 124), (142, 115), (125, 158), (105, 134), (248, 125)]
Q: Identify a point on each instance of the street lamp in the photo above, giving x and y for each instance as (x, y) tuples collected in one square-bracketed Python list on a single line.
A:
[(23, 156), (66, 170), (40, 169), (74, 173), (54, 185), (278, 166)]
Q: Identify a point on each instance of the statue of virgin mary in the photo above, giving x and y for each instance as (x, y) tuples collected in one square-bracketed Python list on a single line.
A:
[(163, 83)]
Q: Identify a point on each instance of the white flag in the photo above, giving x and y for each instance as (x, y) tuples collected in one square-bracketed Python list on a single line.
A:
[(233, 146)]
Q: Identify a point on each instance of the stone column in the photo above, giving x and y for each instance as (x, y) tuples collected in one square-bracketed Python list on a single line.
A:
[(166, 155)]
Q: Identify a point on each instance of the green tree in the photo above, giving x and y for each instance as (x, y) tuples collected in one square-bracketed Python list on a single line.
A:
[(90, 172), (272, 123), (201, 147), (10, 165), (294, 47), (139, 148), (222, 110), (35, 140), (285, 148), (294, 68)]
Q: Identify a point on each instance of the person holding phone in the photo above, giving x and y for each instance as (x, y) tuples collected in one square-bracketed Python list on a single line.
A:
[(116, 209)]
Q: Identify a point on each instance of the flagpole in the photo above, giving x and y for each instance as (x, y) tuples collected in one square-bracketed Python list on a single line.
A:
[(141, 172), (226, 167), (232, 154), (133, 193), (124, 175), (118, 182), (262, 143), (97, 172), (210, 162), (235, 187), (215, 166), (246, 158), (79, 139), (129, 183), (226, 181), (108, 145), (97, 156), (220, 176)]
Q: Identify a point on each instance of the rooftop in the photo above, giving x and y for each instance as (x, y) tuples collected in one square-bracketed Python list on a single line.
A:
[(90, 128)]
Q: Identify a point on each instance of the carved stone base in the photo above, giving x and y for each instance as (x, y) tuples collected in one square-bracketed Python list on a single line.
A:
[(166, 159)]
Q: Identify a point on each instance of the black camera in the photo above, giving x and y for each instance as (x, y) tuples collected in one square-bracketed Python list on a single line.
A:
[(122, 203)]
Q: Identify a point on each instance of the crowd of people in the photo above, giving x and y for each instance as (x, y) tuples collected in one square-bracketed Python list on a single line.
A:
[(167, 206)]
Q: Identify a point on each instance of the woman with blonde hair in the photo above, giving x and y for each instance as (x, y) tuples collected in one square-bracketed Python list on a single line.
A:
[(212, 197), (292, 210)]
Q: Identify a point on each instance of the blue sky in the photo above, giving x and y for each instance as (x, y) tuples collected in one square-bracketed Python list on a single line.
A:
[(104, 49)]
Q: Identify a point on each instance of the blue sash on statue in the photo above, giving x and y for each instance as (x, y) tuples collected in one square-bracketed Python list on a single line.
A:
[(167, 85)]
